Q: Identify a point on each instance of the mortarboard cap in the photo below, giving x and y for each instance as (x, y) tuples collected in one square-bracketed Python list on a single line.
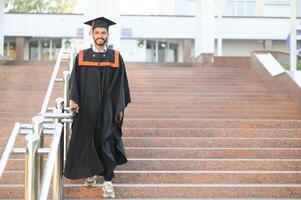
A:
[(100, 22)]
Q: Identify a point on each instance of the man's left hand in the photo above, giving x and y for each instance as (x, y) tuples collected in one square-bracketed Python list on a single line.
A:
[(119, 117)]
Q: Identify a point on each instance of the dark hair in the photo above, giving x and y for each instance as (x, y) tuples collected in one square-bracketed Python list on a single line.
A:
[(93, 26)]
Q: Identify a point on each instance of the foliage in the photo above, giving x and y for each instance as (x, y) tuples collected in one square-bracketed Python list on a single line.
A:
[(40, 6), (286, 66)]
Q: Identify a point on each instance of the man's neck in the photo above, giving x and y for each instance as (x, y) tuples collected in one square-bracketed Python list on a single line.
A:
[(99, 48)]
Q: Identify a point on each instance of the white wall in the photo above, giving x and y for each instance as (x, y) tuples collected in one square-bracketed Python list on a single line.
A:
[(150, 7), (180, 27), (279, 45), (255, 28), (245, 47), (159, 26), (188, 7), (158, 7), (241, 47), (42, 25), (205, 27), (131, 52), (184, 27)]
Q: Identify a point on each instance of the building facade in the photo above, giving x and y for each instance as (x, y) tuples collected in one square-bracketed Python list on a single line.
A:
[(174, 31)]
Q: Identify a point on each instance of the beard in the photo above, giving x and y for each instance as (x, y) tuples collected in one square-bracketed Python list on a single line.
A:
[(100, 43)]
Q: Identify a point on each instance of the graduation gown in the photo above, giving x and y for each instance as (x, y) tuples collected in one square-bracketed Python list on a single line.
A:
[(100, 87)]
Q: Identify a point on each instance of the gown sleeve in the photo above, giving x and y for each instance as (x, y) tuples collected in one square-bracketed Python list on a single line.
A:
[(75, 78), (127, 94), (121, 89)]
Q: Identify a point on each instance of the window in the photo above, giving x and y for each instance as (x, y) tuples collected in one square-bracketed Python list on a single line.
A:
[(33, 50), (240, 8), (57, 44), (10, 49), (277, 8)]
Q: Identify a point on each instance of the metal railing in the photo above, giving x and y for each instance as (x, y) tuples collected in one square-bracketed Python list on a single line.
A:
[(56, 123)]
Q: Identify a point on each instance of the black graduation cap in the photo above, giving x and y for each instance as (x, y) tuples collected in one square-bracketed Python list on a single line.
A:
[(100, 22)]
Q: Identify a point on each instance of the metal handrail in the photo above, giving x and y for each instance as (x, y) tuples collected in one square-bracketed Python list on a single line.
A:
[(34, 138), (52, 81), (9, 147), (54, 75), (54, 147)]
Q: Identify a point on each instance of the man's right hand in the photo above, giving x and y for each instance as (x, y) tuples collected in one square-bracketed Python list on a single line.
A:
[(74, 106)]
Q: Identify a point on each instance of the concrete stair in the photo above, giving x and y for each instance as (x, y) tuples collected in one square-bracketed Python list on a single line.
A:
[(190, 132)]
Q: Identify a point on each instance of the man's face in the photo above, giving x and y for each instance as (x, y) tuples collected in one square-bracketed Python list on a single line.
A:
[(100, 36)]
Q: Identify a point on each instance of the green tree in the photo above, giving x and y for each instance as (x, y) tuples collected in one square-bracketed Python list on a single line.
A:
[(63, 6), (40, 6)]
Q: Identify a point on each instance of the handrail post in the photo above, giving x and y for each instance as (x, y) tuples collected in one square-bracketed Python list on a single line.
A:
[(71, 58), (57, 184), (31, 164), (66, 77), (59, 103), (37, 129)]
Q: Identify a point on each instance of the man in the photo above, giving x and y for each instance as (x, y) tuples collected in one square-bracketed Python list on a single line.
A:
[(99, 95)]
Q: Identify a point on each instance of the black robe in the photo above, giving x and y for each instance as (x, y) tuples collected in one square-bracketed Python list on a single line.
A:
[(100, 87)]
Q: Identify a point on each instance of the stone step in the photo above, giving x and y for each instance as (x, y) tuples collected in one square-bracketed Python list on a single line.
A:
[(212, 132), (190, 132), (190, 123), (211, 123), (211, 142), (203, 153), (191, 191), (177, 109), (195, 164), (197, 89), (196, 98), (197, 111), (182, 177), (213, 116), (199, 132), (242, 93), (211, 153), (193, 142), (192, 108), (189, 116), (172, 191), (215, 107)]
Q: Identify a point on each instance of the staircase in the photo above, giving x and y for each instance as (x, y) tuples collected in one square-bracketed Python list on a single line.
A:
[(190, 132)]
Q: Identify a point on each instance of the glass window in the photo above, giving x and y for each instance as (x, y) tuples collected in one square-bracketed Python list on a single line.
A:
[(45, 49), (10, 49), (5, 49), (172, 55), (33, 50), (162, 46), (240, 8), (251, 9), (230, 8), (277, 8), (56, 45), (150, 51)]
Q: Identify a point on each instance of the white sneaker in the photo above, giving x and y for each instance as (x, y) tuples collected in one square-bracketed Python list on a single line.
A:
[(91, 181), (108, 190)]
